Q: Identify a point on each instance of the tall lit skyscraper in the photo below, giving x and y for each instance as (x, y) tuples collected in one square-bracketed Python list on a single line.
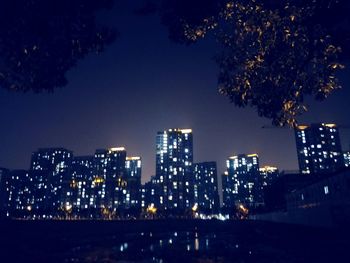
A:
[(109, 182), (98, 185), (52, 166), (206, 187), (174, 157), (241, 181), (116, 178), (319, 149), (133, 166), (77, 189)]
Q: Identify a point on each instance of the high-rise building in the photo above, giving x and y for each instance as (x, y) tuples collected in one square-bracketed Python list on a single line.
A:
[(77, 188), (241, 181), (206, 187), (109, 180), (319, 149), (174, 157), (20, 196), (52, 165), (98, 185), (107, 184), (133, 166)]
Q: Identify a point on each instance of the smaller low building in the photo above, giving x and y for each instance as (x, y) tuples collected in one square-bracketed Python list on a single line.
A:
[(322, 201), (326, 202)]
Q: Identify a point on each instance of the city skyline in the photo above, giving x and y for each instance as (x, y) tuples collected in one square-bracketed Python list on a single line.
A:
[(108, 183), (174, 131), (220, 163), (124, 98)]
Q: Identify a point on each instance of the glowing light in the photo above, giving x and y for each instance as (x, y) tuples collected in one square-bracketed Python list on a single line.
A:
[(73, 184), (121, 182), (68, 207), (302, 127), (117, 149), (243, 209), (133, 158), (186, 130), (196, 244), (98, 180), (151, 209), (268, 169)]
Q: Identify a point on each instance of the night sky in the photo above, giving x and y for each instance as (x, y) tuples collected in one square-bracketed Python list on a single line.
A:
[(141, 84)]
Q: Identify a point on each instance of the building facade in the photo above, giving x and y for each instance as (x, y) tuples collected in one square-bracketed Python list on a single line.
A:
[(50, 167), (206, 192), (241, 183), (318, 148), (109, 181), (174, 174), (19, 194), (77, 188), (150, 194), (59, 185), (133, 166)]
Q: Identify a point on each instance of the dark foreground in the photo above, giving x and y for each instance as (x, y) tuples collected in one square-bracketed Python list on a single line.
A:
[(169, 241)]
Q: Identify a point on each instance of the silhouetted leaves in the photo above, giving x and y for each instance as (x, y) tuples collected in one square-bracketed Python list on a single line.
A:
[(40, 40), (176, 14), (274, 53)]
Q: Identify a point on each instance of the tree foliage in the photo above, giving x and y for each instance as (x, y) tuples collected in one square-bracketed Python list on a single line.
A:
[(274, 53), (41, 40)]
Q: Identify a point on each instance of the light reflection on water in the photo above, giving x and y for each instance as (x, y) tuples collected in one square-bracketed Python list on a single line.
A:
[(243, 244), (174, 246), (152, 246), (196, 244)]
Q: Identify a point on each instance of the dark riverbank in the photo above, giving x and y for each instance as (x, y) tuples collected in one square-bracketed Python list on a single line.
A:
[(169, 241)]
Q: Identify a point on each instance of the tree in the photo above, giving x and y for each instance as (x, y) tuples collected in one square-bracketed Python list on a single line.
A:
[(273, 53), (41, 40)]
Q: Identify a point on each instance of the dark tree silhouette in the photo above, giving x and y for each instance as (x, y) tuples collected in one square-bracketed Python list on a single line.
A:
[(41, 40), (273, 53)]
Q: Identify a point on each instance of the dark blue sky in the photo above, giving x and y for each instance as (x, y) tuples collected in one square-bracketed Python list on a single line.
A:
[(141, 84)]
